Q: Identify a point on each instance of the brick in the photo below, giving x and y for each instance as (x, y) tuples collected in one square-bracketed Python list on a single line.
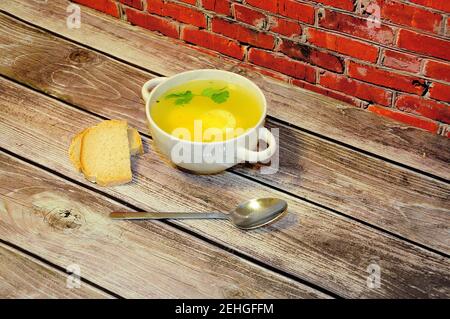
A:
[(177, 12), (249, 16), (282, 64), (268, 5), (242, 33), (358, 27), (133, 3), (352, 87), (408, 15), (405, 118), (442, 5), (212, 41), (155, 6), (288, 8), (296, 10), (439, 91), (401, 61), (388, 79), (218, 6), (335, 95), (186, 15), (284, 27), (106, 6), (424, 44), (437, 70), (191, 2), (311, 55), (342, 4), (427, 108), (154, 23), (344, 45)]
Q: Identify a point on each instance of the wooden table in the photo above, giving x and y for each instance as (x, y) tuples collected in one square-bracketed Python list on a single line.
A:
[(364, 193)]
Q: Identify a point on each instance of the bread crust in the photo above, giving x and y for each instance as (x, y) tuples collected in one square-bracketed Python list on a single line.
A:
[(135, 142), (75, 149)]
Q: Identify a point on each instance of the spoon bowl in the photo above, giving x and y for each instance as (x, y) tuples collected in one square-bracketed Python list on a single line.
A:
[(258, 212)]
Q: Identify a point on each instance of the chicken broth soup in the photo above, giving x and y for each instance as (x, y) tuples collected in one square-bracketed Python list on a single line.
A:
[(207, 111)]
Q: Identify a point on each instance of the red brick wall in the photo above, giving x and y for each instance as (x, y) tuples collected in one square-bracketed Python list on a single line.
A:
[(397, 66)]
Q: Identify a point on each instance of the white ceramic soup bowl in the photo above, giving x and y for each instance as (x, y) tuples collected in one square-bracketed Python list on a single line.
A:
[(211, 157)]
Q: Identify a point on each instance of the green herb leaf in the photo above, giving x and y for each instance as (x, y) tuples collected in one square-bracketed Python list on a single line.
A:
[(220, 97), (181, 98), (177, 94), (209, 92), (217, 95)]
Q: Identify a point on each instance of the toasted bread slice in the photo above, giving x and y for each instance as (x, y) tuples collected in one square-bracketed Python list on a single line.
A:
[(105, 153), (135, 142), (75, 149)]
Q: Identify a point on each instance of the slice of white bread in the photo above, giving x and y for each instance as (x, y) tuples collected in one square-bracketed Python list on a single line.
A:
[(105, 153), (134, 142)]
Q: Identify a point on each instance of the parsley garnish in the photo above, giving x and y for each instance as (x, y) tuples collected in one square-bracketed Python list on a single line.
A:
[(208, 92), (181, 98), (217, 95)]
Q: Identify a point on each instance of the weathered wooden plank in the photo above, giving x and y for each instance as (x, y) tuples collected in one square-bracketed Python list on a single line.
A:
[(70, 225), (326, 249), (22, 276), (407, 203), (395, 141)]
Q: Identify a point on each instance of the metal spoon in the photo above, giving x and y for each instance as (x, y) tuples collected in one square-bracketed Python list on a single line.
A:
[(248, 215)]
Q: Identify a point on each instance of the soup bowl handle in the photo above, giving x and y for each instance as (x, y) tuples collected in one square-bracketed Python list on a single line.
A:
[(149, 85), (259, 156)]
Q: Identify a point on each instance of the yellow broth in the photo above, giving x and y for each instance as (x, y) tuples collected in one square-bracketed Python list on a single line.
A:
[(207, 110)]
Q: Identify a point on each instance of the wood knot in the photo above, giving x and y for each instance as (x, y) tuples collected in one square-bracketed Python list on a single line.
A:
[(82, 56), (65, 219)]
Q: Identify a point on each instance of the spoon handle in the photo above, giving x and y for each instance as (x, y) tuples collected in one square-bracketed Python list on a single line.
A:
[(157, 215)]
